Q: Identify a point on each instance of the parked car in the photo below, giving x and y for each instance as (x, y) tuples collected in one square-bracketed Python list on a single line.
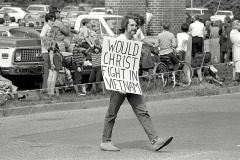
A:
[(67, 9), (99, 10), (204, 13), (72, 17), (38, 8), (37, 19), (20, 54), (5, 16), (16, 12), (110, 24), (221, 14)]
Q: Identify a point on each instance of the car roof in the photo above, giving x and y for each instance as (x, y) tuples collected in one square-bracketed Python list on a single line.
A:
[(196, 9), (224, 11), (100, 16), (7, 28), (18, 8), (40, 5)]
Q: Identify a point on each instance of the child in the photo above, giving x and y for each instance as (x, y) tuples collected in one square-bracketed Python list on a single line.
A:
[(96, 73)]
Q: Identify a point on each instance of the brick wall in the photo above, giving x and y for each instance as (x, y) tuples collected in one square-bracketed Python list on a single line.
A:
[(172, 10)]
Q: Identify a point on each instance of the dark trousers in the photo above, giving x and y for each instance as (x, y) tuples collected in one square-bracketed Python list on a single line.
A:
[(139, 108), (77, 75), (173, 59), (197, 45), (46, 70), (95, 76)]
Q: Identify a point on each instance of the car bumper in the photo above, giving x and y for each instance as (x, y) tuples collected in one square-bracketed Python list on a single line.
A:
[(23, 70)]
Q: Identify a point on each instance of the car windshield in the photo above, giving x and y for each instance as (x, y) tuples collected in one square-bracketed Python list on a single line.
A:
[(194, 12), (35, 16), (23, 32), (66, 9), (98, 10), (224, 13), (73, 15), (35, 8), (114, 23)]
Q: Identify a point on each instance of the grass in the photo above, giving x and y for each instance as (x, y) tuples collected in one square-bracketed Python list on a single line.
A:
[(202, 89)]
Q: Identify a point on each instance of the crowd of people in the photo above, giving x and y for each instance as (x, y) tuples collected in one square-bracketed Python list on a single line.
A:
[(217, 39)]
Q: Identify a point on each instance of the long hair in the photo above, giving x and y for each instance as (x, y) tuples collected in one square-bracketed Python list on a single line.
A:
[(125, 21)]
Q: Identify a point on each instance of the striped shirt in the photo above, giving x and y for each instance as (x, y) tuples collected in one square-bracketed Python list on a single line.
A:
[(96, 60), (78, 57)]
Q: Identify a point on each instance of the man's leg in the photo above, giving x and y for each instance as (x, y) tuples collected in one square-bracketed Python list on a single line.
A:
[(46, 70), (116, 100), (140, 110)]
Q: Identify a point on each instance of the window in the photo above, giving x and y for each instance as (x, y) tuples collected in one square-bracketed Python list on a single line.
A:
[(114, 24), (224, 13), (13, 11), (194, 12)]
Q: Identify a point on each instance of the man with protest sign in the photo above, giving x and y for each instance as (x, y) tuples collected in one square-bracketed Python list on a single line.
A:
[(129, 27)]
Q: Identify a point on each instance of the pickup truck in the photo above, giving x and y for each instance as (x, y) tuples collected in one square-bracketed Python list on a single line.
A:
[(20, 53), (221, 14)]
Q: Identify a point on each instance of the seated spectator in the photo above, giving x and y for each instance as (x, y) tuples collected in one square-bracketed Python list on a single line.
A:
[(2, 22), (167, 42), (13, 22), (84, 37), (8, 88)]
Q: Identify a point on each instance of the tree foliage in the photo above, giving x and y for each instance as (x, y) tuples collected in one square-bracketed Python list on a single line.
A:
[(233, 5)]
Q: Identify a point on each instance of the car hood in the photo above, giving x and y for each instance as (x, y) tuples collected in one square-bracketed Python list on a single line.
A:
[(19, 42)]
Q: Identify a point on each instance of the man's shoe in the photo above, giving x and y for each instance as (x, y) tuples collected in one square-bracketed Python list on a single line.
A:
[(160, 143), (108, 146)]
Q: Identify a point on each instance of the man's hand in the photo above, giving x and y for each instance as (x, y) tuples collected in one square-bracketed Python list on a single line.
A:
[(123, 92), (53, 67), (79, 69)]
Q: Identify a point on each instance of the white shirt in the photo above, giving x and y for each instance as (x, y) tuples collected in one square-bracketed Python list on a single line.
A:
[(197, 29), (122, 36), (139, 36), (45, 33), (14, 24), (181, 39)]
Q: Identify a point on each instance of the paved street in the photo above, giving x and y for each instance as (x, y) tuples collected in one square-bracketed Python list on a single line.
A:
[(205, 128)]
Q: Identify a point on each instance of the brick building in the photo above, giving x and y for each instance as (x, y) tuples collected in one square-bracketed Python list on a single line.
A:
[(172, 10)]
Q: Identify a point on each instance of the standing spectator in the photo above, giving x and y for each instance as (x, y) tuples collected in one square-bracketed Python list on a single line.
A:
[(31, 25), (49, 18), (96, 73), (13, 22), (197, 31), (167, 42), (64, 32), (207, 37), (78, 59), (214, 42), (224, 40), (129, 28), (55, 61), (2, 21), (182, 39), (147, 62), (234, 36)]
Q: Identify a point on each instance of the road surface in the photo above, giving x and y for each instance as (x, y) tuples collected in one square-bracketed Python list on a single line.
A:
[(204, 128)]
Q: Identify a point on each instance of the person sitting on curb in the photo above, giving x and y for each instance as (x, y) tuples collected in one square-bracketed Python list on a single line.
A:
[(9, 89)]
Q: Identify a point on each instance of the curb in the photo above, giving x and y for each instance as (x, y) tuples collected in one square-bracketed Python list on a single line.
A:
[(43, 108)]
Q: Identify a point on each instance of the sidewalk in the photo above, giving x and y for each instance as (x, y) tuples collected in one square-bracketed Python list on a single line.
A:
[(43, 108)]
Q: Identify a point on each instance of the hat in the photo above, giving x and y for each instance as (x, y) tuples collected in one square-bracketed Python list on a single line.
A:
[(54, 9)]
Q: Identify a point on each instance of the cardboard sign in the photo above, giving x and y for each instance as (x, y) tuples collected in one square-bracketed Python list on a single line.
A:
[(120, 64)]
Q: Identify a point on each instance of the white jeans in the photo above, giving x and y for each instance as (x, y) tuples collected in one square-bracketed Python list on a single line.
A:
[(51, 81)]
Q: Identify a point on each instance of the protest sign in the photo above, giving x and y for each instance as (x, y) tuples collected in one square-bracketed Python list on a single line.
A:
[(120, 64)]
